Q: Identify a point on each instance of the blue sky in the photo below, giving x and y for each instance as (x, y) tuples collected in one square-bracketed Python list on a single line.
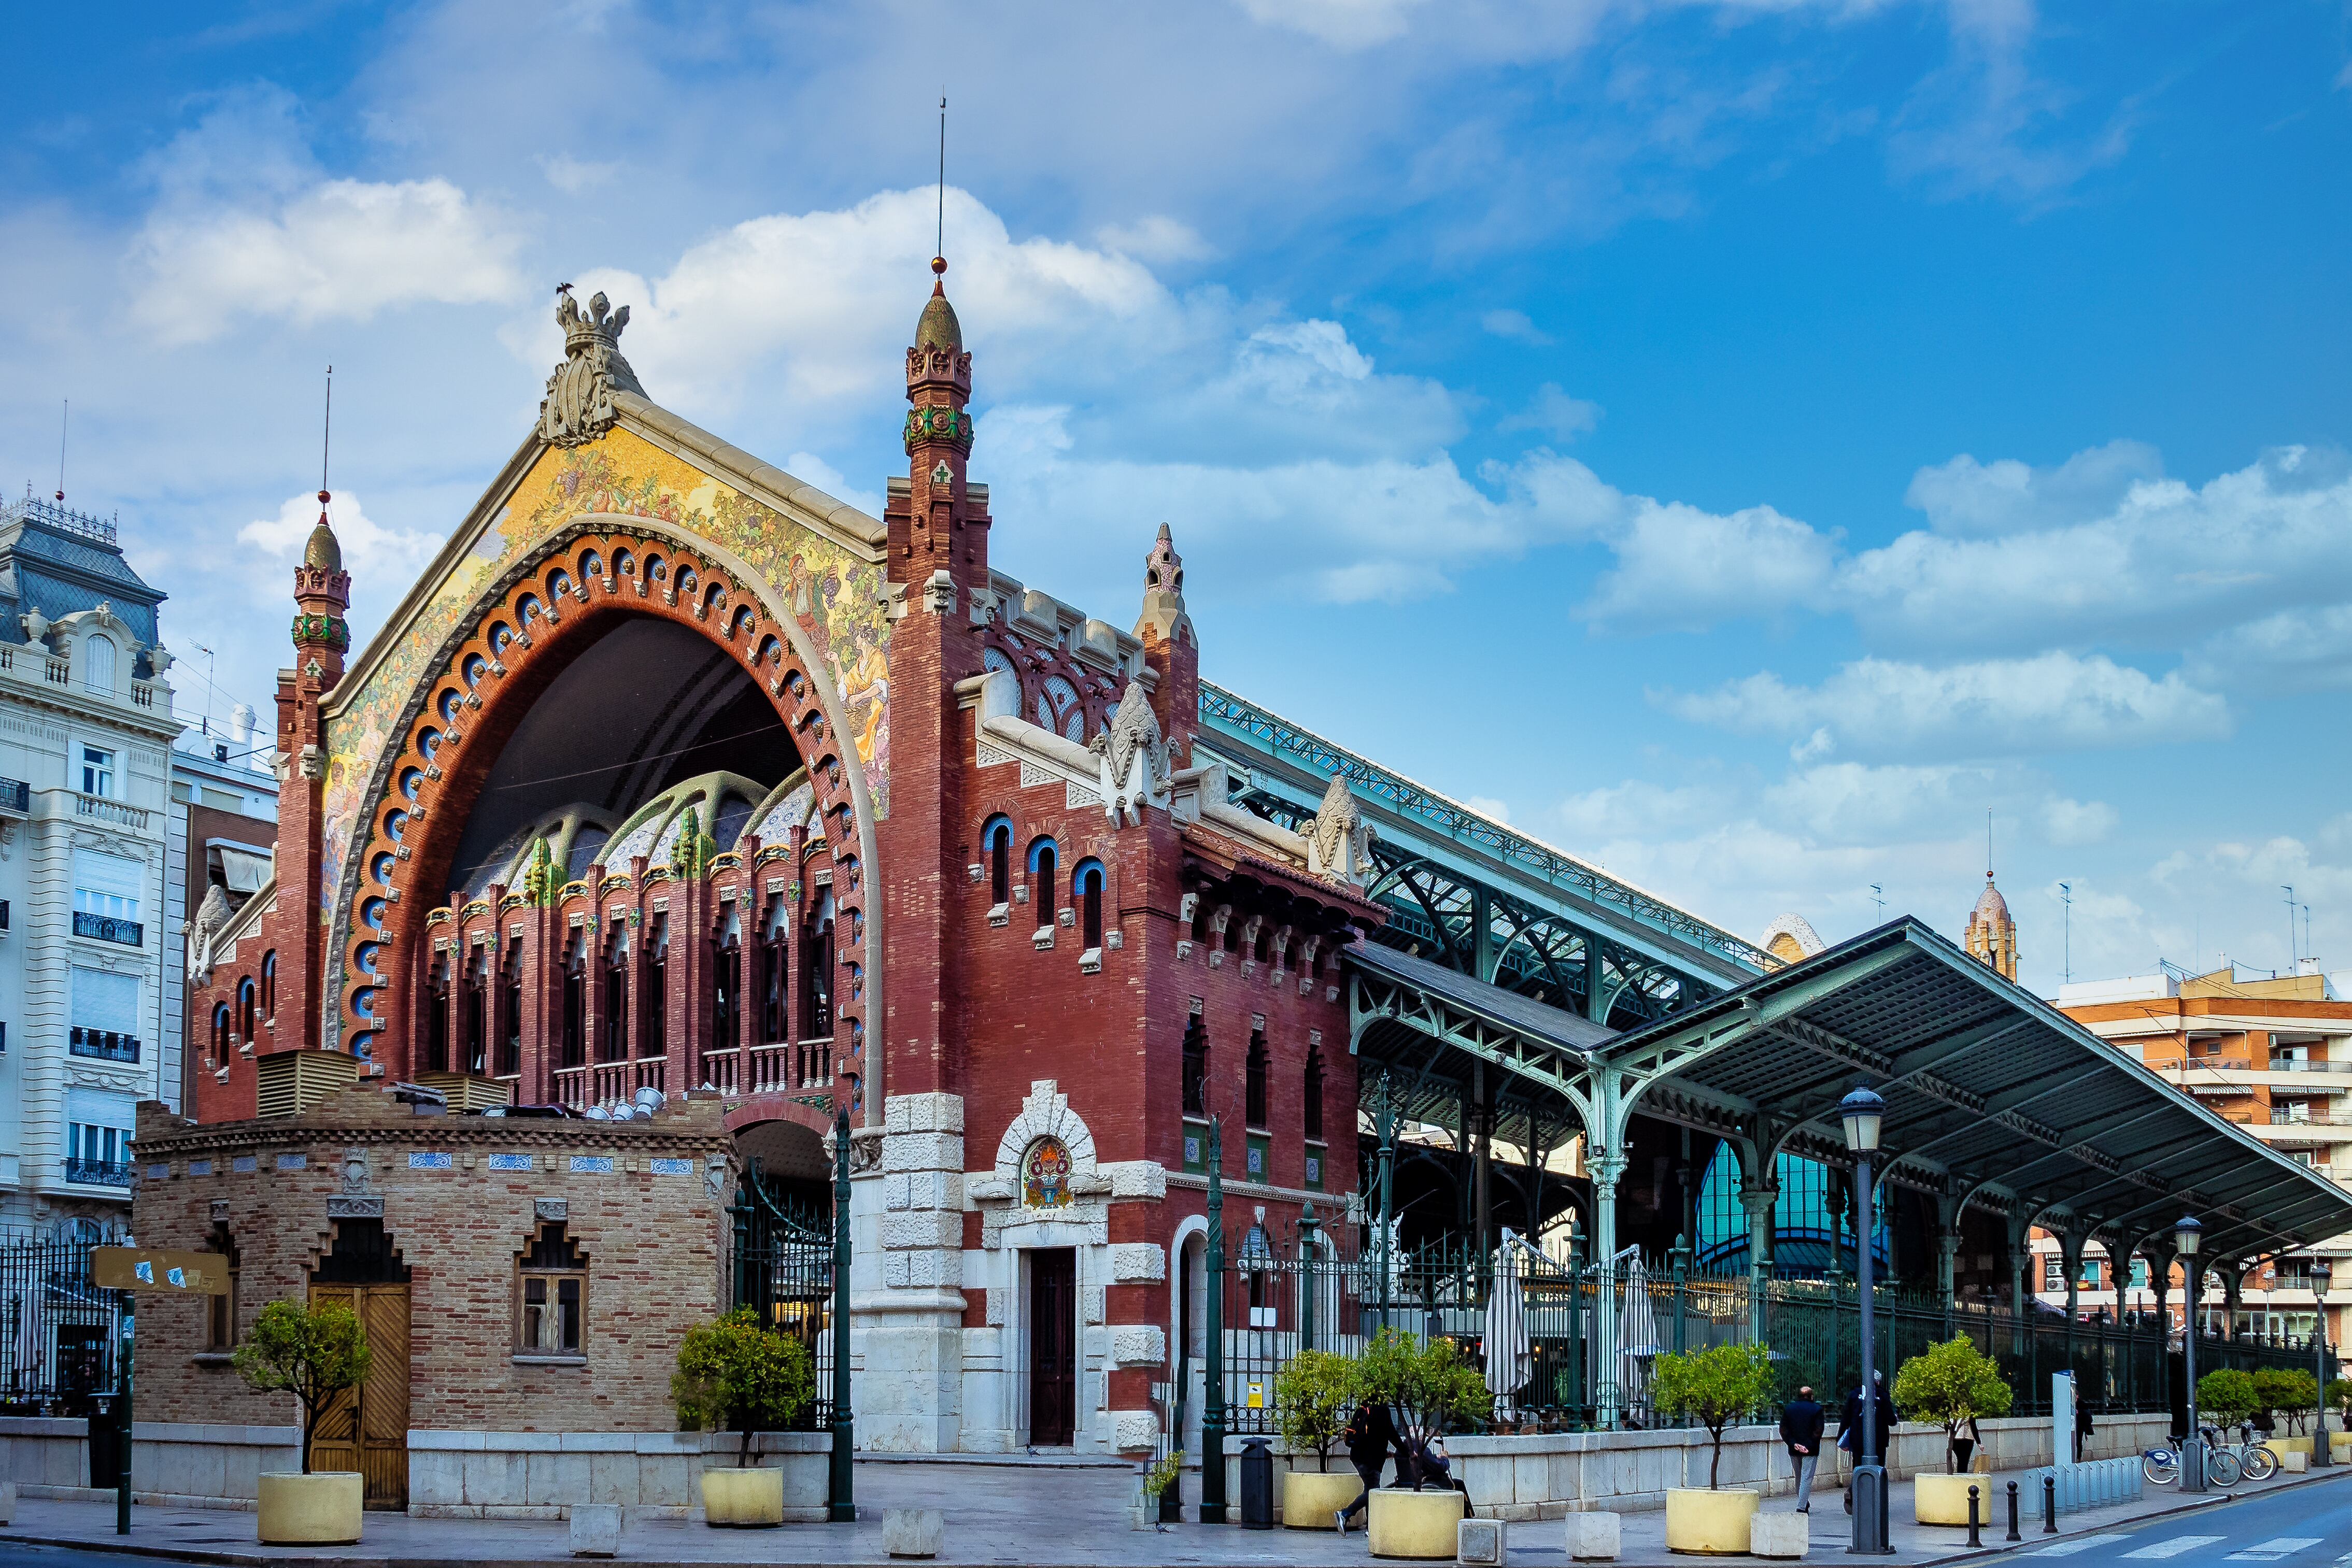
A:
[(1742, 442)]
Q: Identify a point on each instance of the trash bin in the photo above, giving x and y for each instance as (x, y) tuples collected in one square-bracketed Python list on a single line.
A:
[(1257, 1484)]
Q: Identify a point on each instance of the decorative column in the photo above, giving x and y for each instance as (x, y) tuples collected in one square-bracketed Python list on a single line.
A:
[(1212, 1303), (1759, 1201), (1608, 1168)]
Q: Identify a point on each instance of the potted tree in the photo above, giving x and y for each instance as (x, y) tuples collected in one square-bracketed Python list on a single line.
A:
[(2340, 1398), (1951, 1385), (2291, 1393), (1716, 1386), (314, 1354), (1313, 1398), (1428, 1387), (733, 1373)]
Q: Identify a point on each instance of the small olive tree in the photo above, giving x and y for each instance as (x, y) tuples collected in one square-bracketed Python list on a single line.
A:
[(311, 1352), (734, 1373), (1431, 1386), (1313, 1398), (1717, 1386), (2227, 1397), (2291, 1393), (1949, 1386)]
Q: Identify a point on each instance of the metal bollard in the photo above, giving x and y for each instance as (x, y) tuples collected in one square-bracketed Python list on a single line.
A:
[(1974, 1540), (2012, 1513), (2049, 1503)]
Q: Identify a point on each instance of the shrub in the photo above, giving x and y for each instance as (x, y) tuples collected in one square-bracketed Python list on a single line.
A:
[(313, 1353), (2227, 1397), (1430, 1386), (2289, 1394), (1952, 1383), (1717, 1386), (1313, 1398), (734, 1373), (2339, 1395)]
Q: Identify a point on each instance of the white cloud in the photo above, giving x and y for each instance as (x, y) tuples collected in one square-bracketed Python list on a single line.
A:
[(1967, 498), (1345, 24), (1553, 413), (1680, 568), (574, 175), (1998, 707), (1156, 240), (384, 560), (2068, 822), (1514, 326), (1487, 805)]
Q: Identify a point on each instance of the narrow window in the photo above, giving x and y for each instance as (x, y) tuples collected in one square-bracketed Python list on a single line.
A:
[(653, 1007), (221, 1047), (816, 976), (1087, 888), (97, 770), (575, 1008), (727, 995), (1199, 918), (220, 1312), (615, 1046), (997, 839), (1310, 1099), (437, 1019), (246, 995), (1255, 1096), (475, 1007), (1196, 1068), (269, 984), (1041, 880), (510, 1011), (551, 1296), (774, 971)]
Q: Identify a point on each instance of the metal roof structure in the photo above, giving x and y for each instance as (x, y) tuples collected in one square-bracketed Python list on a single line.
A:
[(1994, 1098)]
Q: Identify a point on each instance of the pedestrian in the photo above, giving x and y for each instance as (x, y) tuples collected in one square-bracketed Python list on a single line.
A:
[(1436, 1468), (2082, 1431), (1850, 1428), (1371, 1434), (1802, 1420)]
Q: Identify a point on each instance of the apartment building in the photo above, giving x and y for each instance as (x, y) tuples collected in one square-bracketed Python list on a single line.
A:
[(219, 850)]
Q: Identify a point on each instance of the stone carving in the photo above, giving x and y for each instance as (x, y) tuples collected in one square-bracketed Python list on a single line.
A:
[(578, 406), (714, 1177), (203, 932), (1340, 845), (550, 1209), (1132, 761), (313, 762), (356, 1200)]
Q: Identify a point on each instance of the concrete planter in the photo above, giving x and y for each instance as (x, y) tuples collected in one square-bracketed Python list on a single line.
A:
[(319, 1509), (1712, 1522), (1419, 1524), (1309, 1499), (2283, 1447), (741, 1498), (1944, 1499)]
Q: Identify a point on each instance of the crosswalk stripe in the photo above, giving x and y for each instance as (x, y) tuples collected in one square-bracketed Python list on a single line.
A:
[(2068, 1548), (2173, 1547), (2272, 1550)]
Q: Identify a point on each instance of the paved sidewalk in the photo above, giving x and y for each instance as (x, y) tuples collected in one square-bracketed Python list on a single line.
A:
[(998, 1513)]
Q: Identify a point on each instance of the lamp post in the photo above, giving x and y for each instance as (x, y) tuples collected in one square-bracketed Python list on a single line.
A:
[(2186, 1235), (1862, 1111), (2320, 1274)]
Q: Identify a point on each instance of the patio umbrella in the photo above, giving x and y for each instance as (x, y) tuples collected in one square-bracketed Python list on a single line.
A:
[(1637, 1334), (27, 1356), (1509, 1359)]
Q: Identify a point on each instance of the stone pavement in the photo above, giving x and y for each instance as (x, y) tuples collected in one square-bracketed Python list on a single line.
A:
[(1040, 1517)]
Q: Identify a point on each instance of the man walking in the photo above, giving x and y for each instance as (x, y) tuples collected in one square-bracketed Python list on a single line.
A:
[(1371, 1433), (1802, 1420), (1849, 1426)]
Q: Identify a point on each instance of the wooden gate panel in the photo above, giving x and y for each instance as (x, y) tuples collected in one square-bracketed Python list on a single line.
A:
[(366, 1429)]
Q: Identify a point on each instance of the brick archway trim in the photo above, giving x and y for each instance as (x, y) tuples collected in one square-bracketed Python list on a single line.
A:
[(761, 1108)]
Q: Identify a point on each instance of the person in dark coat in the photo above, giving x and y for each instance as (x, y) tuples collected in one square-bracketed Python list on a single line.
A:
[(1434, 1466), (1802, 1420), (1849, 1436), (1371, 1435)]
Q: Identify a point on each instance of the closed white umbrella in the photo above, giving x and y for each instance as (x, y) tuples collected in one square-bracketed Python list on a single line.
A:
[(27, 1355), (1510, 1360), (1637, 1334)]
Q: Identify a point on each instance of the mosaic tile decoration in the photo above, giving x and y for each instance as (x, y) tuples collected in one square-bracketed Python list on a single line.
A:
[(591, 1164), (672, 1168), (200, 1167), (293, 1162), (158, 1173), (244, 1165), (420, 1160), (510, 1162)]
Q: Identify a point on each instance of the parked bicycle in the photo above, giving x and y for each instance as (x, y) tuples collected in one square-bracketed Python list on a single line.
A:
[(2226, 1464)]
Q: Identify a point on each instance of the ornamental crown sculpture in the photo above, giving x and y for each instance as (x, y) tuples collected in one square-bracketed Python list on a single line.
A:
[(578, 406)]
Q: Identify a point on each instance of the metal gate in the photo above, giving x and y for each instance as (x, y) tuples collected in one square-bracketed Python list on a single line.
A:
[(785, 1272)]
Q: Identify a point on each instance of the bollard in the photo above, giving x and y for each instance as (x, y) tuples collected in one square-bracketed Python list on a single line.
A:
[(2049, 1503), (2012, 1513), (1974, 1540)]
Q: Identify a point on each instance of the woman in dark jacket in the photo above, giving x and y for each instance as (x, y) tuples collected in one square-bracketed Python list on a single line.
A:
[(1371, 1434)]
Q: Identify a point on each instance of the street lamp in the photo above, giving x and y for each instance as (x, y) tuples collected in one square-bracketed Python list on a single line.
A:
[(2186, 1235), (2320, 1274), (1862, 1111)]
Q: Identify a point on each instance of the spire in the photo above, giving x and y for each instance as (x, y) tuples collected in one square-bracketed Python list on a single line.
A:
[(324, 552), (322, 589), (938, 327)]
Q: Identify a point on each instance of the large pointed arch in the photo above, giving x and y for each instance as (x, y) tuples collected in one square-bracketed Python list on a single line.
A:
[(515, 638)]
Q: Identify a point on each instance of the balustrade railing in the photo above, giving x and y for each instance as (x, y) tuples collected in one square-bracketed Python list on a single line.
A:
[(768, 1068), (721, 1070), (102, 1045), (109, 928), (98, 808), (99, 1173)]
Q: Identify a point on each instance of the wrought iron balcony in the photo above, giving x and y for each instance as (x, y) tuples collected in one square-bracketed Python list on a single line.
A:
[(17, 795), (107, 928), (99, 1173), (102, 1045)]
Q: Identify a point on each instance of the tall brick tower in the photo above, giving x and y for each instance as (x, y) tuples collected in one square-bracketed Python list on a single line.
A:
[(911, 1299), (322, 593)]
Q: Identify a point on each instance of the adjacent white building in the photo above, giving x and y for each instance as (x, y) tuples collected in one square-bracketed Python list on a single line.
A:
[(86, 730)]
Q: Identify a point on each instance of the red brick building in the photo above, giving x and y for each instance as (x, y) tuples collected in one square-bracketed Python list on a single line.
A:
[(672, 771)]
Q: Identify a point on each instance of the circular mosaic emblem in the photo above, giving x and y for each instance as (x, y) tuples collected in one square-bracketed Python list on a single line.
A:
[(1045, 1174)]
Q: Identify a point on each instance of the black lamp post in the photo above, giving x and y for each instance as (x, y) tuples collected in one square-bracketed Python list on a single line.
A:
[(1862, 1111), (2321, 1275), (2186, 1235)]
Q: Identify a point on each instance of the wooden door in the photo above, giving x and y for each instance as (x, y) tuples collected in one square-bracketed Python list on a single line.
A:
[(1053, 1347), (366, 1429)]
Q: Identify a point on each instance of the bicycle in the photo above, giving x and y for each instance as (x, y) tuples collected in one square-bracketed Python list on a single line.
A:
[(2257, 1461), (2223, 1467)]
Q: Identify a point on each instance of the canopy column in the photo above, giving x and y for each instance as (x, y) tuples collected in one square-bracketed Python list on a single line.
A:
[(1759, 1200), (2021, 1268), (1608, 1168), (2233, 1295)]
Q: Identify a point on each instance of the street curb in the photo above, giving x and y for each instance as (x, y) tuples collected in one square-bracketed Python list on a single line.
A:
[(2211, 1499)]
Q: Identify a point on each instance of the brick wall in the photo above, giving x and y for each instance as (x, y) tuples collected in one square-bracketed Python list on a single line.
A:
[(655, 1238)]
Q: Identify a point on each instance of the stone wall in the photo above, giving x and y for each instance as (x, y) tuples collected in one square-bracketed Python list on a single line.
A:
[(460, 1197), (540, 1475)]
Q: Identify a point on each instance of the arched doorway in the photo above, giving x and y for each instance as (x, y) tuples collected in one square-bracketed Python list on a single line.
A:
[(366, 1427)]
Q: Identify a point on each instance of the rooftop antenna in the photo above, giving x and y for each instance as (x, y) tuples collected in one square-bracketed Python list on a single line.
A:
[(2290, 951), (65, 421), (2066, 897), (1878, 897)]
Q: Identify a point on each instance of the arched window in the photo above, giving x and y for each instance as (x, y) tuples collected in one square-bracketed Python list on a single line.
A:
[(220, 1035), (1254, 1098), (509, 1024), (1196, 1068), (614, 1045), (816, 973), (575, 1006), (269, 984), (1087, 892), (996, 842), (1310, 1099), (775, 976), (97, 655), (437, 1018), (653, 999), (246, 994), (1041, 880), (474, 1007), (726, 991)]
